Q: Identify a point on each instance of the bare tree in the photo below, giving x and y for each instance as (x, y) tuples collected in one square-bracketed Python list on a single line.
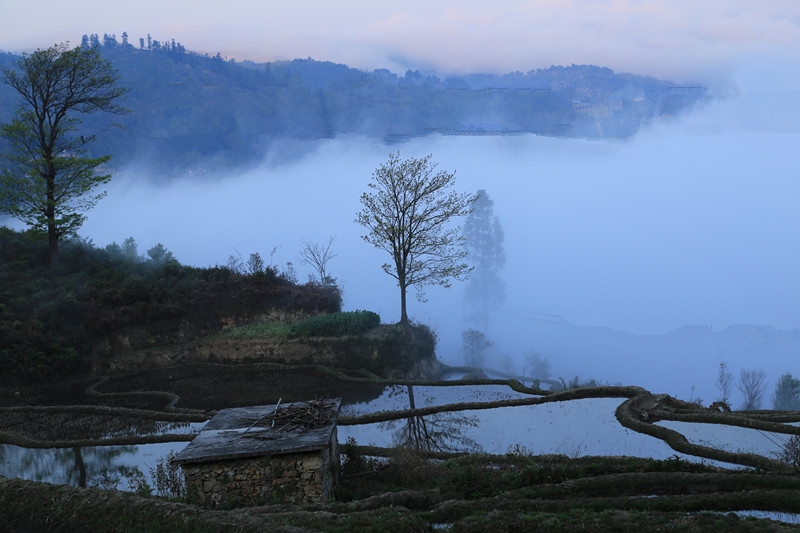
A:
[(753, 384), (235, 262), (724, 382), (409, 216), (317, 256)]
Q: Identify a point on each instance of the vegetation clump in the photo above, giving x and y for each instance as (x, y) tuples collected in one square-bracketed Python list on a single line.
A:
[(336, 324)]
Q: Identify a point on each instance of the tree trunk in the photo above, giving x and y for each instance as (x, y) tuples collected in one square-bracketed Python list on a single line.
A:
[(52, 239), (403, 313), (50, 213)]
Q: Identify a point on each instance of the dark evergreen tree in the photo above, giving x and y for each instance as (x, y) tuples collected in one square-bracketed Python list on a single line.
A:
[(124, 38), (484, 242), (85, 41)]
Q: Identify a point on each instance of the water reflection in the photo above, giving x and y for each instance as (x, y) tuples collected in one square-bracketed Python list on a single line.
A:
[(112, 467), (442, 432), (574, 428), (68, 466)]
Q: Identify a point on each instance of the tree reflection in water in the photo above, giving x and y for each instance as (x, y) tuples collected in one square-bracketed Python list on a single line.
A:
[(441, 432), (95, 465)]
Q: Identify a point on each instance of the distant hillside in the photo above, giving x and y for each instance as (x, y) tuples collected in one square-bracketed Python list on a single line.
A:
[(193, 113)]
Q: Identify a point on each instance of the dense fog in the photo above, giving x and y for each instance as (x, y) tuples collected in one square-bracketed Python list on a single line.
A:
[(612, 246)]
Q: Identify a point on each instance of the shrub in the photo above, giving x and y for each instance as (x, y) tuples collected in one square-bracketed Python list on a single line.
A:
[(426, 340), (336, 324), (168, 477)]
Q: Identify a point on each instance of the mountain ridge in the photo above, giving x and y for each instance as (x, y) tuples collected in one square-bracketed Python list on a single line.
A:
[(193, 113)]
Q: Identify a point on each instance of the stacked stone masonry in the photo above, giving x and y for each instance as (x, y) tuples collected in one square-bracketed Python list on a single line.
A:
[(293, 477)]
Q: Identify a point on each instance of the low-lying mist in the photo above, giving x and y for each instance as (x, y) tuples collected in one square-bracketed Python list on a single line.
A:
[(693, 222)]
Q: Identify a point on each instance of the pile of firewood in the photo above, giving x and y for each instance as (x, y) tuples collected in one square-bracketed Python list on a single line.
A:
[(307, 415)]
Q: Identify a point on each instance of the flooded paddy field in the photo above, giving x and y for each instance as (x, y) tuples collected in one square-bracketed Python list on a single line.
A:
[(507, 439)]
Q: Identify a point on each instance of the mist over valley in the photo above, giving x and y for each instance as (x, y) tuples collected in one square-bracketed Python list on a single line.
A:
[(632, 207), (612, 246)]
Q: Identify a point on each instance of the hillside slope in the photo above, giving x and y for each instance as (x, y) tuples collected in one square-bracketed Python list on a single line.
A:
[(192, 114)]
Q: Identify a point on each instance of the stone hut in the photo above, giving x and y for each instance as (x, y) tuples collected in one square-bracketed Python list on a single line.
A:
[(252, 455)]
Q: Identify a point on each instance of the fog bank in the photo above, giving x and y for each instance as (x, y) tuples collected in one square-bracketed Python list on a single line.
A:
[(690, 222), (643, 235)]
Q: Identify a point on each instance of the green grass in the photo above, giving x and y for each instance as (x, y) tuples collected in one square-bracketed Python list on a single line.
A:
[(269, 330)]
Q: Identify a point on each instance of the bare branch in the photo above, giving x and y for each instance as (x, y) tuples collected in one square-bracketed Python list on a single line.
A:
[(752, 384), (318, 256)]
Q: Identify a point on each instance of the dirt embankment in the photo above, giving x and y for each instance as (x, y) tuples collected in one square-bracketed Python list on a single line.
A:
[(170, 339), (384, 352)]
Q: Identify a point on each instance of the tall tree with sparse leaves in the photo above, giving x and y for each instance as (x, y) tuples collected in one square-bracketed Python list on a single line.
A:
[(52, 180), (484, 242), (408, 214)]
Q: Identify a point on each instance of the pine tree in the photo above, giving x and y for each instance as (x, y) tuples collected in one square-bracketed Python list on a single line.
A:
[(484, 242)]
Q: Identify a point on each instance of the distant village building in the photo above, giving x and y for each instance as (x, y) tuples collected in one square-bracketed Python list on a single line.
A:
[(252, 455)]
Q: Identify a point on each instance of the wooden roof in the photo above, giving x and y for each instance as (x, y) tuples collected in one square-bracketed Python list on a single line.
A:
[(262, 430)]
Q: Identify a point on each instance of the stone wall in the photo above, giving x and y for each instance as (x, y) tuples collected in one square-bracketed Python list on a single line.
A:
[(292, 477)]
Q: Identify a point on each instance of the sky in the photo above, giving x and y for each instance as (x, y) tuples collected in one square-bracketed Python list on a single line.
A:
[(682, 40)]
